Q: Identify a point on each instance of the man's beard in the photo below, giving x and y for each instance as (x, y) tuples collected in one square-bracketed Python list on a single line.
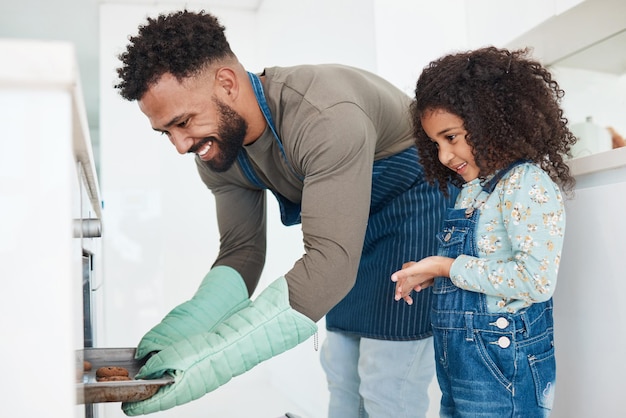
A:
[(232, 130)]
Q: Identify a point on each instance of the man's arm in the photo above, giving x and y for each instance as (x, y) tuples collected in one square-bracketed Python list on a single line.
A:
[(336, 155), (241, 219)]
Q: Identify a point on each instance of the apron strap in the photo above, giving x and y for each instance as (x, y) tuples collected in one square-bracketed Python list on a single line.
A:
[(289, 211), (260, 98)]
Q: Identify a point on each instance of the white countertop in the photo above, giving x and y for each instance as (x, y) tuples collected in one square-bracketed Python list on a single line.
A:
[(601, 161), (599, 169)]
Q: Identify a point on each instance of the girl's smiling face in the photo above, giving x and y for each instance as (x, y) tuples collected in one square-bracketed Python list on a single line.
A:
[(448, 133)]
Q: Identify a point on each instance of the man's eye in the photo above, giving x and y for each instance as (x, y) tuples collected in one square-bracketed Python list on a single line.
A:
[(183, 123)]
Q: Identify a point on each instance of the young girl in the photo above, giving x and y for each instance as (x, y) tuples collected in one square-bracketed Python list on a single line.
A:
[(489, 121)]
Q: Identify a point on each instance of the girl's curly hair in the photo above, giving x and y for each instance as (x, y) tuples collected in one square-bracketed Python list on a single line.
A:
[(181, 43), (510, 106)]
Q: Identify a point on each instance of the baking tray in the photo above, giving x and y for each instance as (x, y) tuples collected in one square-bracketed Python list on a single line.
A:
[(92, 391)]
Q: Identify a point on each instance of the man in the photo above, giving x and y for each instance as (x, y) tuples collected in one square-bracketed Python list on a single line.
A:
[(335, 147)]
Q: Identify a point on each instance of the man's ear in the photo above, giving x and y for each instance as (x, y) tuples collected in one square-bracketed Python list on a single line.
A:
[(226, 82)]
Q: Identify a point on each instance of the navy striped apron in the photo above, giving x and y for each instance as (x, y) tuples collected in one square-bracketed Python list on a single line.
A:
[(405, 215)]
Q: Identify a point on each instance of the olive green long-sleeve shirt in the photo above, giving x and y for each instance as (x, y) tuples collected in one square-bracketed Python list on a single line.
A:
[(334, 122)]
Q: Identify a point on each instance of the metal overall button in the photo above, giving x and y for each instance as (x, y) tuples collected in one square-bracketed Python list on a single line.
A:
[(504, 342), (502, 322), (447, 237)]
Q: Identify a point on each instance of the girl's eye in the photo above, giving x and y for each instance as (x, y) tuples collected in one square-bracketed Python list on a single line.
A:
[(450, 137)]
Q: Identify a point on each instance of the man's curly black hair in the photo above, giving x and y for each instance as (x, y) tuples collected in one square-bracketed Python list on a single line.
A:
[(510, 106), (181, 43)]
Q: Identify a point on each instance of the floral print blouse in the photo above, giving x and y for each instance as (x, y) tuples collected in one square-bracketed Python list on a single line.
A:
[(520, 237)]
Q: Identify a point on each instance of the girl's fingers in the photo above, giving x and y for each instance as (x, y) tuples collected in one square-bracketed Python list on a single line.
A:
[(398, 294)]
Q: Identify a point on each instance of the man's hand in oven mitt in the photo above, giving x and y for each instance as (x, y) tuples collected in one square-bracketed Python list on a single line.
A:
[(221, 293), (203, 362)]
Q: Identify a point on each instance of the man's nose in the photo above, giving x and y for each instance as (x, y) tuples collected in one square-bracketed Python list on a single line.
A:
[(182, 142)]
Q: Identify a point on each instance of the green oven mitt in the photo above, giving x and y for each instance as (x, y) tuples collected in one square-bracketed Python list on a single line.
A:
[(203, 362), (221, 293)]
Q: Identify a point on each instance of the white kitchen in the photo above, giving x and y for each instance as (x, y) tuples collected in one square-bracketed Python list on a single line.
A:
[(104, 228)]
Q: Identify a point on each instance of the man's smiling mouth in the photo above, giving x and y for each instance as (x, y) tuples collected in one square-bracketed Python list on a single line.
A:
[(204, 149), (201, 148)]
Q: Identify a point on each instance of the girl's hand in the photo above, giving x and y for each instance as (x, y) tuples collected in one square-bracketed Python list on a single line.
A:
[(419, 275)]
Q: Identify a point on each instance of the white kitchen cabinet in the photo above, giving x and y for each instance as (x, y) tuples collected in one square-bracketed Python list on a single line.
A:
[(589, 312), (47, 181), (497, 22)]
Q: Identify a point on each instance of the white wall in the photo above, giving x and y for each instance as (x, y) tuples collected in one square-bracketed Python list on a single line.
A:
[(590, 93), (160, 231)]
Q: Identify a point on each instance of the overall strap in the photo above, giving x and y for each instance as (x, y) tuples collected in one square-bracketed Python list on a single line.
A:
[(491, 184)]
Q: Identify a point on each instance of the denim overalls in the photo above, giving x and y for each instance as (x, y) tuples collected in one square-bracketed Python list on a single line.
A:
[(488, 364)]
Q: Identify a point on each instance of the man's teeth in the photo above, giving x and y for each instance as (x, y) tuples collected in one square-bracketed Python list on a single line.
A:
[(202, 152)]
